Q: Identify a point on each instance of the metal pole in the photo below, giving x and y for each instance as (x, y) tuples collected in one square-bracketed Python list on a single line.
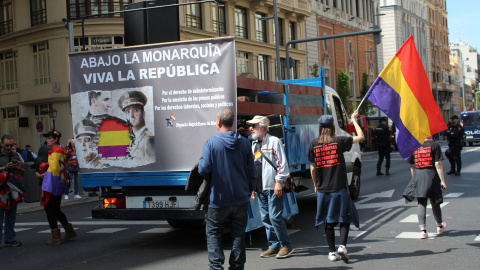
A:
[(70, 37), (277, 41)]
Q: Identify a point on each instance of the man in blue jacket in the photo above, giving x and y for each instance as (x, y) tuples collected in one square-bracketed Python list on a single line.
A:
[(228, 161)]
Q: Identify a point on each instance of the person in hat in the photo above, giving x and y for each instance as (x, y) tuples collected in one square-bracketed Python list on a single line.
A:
[(27, 154), (329, 175), (455, 134), (142, 148), (382, 136), (272, 168), (54, 185), (10, 164), (427, 181), (86, 136), (100, 104)]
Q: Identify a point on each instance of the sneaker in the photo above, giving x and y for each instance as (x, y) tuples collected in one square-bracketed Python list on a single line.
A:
[(13, 243), (77, 196), (285, 252), (423, 235), (333, 256), (66, 197), (441, 229), (269, 253), (342, 251)]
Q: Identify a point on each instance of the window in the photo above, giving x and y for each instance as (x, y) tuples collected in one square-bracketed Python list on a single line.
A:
[(262, 66), (10, 122), (6, 17), (98, 43), (342, 120), (261, 27), (280, 33), (77, 9), (241, 22), (38, 12), (291, 32), (242, 62), (221, 20), (41, 63), (8, 70), (194, 16)]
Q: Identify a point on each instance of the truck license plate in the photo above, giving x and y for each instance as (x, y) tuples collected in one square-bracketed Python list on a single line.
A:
[(469, 137), (161, 204)]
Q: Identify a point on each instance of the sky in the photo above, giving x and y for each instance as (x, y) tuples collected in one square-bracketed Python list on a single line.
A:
[(464, 21)]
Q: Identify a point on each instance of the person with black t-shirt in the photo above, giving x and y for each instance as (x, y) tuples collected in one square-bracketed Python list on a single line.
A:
[(329, 175), (428, 181)]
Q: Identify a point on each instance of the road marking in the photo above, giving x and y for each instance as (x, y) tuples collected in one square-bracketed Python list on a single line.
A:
[(108, 230), (106, 222), (351, 233), (158, 230), (414, 235), (381, 205), (22, 229), (453, 195), (441, 206), (411, 219), (477, 238)]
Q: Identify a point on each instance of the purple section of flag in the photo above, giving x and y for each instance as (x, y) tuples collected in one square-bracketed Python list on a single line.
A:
[(388, 101), (113, 151), (53, 185)]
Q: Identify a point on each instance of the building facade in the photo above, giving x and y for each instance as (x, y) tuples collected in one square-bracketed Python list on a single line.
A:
[(456, 70), (470, 70), (34, 50), (355, 55)]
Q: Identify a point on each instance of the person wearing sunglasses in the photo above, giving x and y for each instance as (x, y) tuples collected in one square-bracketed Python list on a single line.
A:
[(10, 164)]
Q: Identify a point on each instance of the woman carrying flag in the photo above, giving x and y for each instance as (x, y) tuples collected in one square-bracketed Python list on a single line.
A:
[(329, 175), (54, 185)]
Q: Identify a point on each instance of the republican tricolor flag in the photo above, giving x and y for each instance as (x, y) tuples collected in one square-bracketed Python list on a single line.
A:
[(402, 91), (114, 138)]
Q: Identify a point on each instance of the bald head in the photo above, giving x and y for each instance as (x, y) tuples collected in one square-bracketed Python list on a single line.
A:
[(226, 117)]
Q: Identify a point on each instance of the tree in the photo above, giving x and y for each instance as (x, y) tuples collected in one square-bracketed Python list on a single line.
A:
[(367, 106), (314, 70), (343, 89)]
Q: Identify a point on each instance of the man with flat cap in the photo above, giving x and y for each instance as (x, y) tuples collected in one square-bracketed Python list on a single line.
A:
[(86, 135), (272, 168), (454, 134), (382, 136), (142, 148)]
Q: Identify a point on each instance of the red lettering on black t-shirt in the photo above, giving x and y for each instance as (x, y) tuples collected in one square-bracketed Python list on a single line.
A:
[(326, 155), (423, 157)]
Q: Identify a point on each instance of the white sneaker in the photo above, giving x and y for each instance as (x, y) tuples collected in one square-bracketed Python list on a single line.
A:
[(66, 197), (77, 196), (333, 256), (342, 251)]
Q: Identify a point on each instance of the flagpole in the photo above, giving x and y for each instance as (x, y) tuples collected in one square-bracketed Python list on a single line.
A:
[(360, 103)]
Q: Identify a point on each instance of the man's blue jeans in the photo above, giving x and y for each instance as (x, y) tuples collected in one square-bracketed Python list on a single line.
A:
[(216, 219), (74, 177), (271, 210), (9, 216)]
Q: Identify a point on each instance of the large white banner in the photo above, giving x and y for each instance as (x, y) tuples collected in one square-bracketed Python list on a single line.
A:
[(149, 108)]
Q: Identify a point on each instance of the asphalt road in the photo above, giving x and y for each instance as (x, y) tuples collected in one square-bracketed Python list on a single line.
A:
[(388, 237)]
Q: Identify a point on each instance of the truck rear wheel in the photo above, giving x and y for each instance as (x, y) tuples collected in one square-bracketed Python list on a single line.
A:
[(354, 187), (186, 223)]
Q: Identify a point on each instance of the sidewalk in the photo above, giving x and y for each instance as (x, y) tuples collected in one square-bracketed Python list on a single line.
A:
[(24, 207)]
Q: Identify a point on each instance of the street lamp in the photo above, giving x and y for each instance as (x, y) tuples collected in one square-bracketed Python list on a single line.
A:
[(53, 114)]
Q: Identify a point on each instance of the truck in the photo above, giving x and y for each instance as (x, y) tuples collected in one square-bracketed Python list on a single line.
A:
[(138, 189)]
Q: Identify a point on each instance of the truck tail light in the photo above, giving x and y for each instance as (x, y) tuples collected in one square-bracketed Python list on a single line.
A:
[(114, 203)]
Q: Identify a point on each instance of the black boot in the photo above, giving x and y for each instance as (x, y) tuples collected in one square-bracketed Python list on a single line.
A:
[(379, 172), (452, 171), (458, 173), (387, 172)]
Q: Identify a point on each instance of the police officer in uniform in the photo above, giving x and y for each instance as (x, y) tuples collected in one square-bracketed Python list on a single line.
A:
[(455, 143), (142, 147), (382, 136)]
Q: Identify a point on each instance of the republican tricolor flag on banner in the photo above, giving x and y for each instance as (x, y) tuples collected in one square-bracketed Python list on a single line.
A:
[(114, 138), (402, 91)]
